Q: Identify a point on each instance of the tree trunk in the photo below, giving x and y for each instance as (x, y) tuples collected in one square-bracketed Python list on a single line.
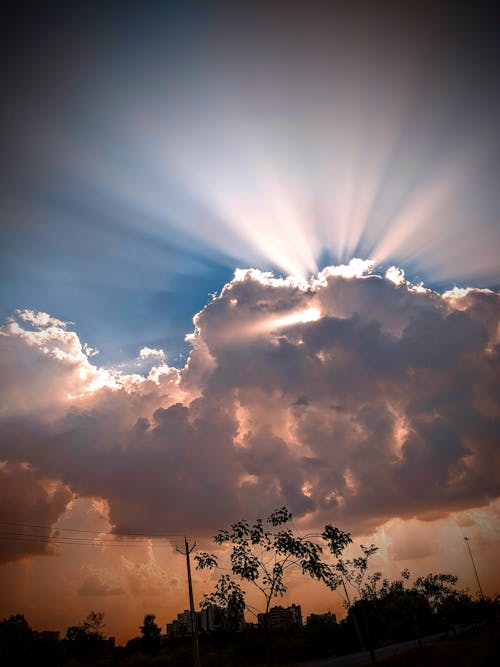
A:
[(267, 638), (368, 636)]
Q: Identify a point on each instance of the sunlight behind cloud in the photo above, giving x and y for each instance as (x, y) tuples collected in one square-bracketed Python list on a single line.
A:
[(304, 316), (291, 168), (241, 193)]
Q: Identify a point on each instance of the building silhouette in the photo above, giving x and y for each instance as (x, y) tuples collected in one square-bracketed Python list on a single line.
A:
[(282, 618), (212, 619), (209, 619), (181, 626), (327, 617)]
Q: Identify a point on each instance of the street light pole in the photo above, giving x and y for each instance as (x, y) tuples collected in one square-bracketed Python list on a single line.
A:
[(467, 540)]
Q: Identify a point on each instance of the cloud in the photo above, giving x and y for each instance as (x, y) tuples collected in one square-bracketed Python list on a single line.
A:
[(385, 404), (99, 582), (39, 319), (27, 504), (151, 353), (411, 541), (148, 577), (43, 365)]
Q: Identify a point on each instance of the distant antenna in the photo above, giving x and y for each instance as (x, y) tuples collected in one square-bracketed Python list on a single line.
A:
[(467, 540)]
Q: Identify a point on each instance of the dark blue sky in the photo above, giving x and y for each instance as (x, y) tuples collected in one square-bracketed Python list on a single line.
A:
[(145, 146)]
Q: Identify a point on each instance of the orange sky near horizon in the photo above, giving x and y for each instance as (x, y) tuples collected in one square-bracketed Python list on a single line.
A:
[(57, 591)]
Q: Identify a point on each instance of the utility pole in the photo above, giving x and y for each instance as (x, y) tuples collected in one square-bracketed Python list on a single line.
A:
[(467, 540), (194, 628)]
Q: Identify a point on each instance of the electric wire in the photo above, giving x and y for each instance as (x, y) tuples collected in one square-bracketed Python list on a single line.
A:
[(94, 532), (79, 536), (75, 540)]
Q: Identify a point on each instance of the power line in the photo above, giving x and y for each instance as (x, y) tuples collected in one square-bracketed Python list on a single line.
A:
[(76, 540), (93, 532), (55, 541)]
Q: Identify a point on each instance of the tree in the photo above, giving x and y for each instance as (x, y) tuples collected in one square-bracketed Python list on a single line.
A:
[(149, 641), (399, 609), (90, 630), (86, 640), (437, 588), (262, 554), (392, 610), (16, 639), (229, 599), (150, 629), (352, 572)]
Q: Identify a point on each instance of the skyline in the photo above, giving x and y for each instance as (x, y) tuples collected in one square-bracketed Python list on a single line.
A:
[(249, 260), (253, 615)]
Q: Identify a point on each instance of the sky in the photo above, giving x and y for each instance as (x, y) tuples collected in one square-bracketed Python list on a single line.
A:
[(249, 259)]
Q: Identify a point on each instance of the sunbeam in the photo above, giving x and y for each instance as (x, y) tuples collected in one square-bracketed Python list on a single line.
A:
[(255, 195), (286, 158)]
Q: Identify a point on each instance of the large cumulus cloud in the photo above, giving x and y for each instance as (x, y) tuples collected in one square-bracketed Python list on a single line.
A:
[(28, 507), (351, 398)]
